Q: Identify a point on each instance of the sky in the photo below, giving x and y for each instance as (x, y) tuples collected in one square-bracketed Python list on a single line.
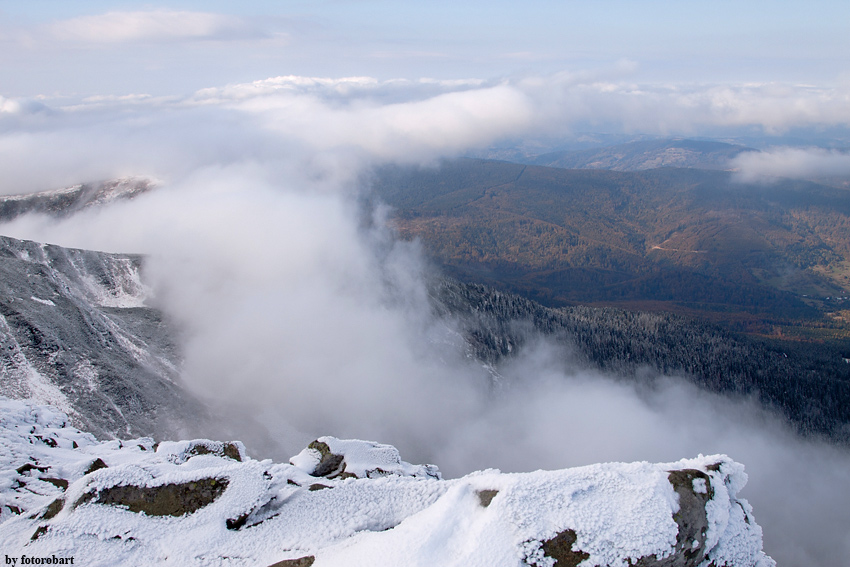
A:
[(257, 120), (92, 47)]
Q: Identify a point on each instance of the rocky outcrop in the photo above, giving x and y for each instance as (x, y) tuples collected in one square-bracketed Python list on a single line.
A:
[(300, 562), (560, 549), (694, 492), (332, 458), (160, 500), (196, 504)]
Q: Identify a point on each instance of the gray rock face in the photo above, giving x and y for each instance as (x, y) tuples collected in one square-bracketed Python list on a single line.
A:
[(175, 499), (75, 333)]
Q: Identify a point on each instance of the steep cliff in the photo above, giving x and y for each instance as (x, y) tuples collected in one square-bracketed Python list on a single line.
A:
[(75, 332)]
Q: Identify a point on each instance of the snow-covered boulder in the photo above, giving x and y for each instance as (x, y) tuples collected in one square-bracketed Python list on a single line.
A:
[(352, 458), (64, 494)]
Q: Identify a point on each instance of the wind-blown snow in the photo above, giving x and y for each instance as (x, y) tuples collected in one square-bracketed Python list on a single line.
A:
[(268, 511)]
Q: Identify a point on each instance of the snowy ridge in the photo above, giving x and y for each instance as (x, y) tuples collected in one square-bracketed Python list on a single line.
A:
[(201, 502), (68, 200)]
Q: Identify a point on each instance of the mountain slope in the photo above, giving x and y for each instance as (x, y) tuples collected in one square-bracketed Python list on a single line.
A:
[(75, 332), (809, 386), (693, 240)]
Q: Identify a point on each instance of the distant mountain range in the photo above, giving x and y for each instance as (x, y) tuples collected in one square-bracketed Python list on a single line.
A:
[(641, 155)]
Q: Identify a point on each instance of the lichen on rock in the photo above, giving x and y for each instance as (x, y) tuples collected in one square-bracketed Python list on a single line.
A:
[(163, 500)]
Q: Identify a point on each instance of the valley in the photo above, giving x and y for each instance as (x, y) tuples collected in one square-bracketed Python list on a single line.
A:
[(760, 259)]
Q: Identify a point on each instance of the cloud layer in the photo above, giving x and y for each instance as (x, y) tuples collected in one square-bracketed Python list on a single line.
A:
[(795, 163), (357, 119), (152, 26)]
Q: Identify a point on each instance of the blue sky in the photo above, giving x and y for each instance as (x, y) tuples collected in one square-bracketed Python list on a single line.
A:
[(49, 47)]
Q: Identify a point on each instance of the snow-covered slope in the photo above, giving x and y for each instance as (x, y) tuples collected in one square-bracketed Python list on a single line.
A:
[(63, 494), (75, 333)]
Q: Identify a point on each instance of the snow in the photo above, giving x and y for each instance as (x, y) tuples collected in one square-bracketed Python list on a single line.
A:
[(363, 459), (48, 193), (403, 515), (25, 381), (126, 290)]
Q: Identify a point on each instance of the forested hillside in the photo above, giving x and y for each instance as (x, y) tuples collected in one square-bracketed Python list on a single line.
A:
[(806, 383), (766, 259)]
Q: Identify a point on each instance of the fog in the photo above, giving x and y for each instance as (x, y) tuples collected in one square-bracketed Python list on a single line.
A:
[(301, 311), (795, 163)]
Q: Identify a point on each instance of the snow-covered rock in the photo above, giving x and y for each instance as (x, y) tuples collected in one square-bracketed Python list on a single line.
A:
[(352, 458), (65, 494)]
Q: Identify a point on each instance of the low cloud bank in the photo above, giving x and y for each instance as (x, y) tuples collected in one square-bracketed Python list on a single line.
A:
[(306, 314), (794, 163), (342, 123)]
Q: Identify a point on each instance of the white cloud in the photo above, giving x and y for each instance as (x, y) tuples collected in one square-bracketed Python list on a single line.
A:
[(555, 104), (331, 123), (288, 83), (156, 25), (795, 163), (9, 106), (614, 105), (444, 124), (337, 89)]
